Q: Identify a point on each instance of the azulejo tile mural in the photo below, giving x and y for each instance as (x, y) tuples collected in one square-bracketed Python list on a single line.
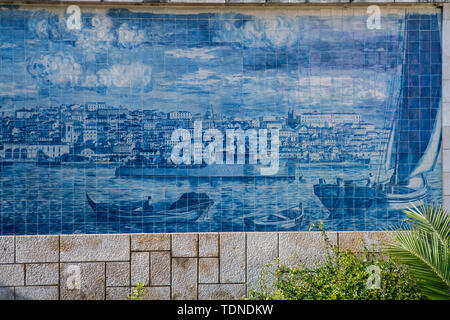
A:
[(149, 120)]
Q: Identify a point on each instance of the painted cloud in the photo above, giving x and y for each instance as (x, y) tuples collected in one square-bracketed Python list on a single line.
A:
[(241, 61), (135, 75), (57, 70)]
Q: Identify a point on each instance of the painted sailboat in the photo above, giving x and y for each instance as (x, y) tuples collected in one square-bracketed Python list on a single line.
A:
[(409, 187), (412, 151)]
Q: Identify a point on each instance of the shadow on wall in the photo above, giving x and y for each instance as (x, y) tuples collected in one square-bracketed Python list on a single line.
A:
[(12, 293), (7, 293)]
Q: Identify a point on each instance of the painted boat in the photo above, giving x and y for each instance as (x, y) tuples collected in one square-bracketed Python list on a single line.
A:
[(284, 219), (188, 208), (44, 161), (347, 195), (400, 181), (397, 197)]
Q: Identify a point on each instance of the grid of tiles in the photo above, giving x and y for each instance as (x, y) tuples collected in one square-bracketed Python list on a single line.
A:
[(157, 120)]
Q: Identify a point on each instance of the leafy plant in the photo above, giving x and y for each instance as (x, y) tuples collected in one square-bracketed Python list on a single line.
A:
[(423, 246), (345, 275), (138, 292)]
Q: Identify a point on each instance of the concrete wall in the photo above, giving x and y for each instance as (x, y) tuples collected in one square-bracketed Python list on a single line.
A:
[(446, 103), (171, 266)]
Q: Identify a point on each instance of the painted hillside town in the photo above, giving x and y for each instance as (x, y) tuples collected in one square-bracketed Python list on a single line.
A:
[(143, 121), (97, 134)]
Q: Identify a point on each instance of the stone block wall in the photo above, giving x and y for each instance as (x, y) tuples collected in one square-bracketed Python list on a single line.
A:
[(171, 266)]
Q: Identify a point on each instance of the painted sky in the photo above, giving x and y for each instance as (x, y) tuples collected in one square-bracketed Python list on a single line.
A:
[(239, 63)]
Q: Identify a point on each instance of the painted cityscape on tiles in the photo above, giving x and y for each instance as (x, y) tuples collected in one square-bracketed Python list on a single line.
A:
[(148, 120)]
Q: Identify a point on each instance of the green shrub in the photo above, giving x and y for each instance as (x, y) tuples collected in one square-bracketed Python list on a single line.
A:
[(138, 292), (345, 275)]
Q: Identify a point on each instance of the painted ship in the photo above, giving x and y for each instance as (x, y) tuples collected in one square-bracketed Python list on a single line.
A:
[(167, 170), (412, 150), (43, 160)]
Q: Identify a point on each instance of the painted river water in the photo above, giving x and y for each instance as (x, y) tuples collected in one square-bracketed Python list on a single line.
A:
[(43, 200)]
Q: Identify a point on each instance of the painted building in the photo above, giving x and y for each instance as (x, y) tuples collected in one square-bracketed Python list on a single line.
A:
[(31, 151)]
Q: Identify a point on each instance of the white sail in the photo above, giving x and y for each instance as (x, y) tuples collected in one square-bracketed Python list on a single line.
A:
[(385, 173), (428, 159), (388, 164)]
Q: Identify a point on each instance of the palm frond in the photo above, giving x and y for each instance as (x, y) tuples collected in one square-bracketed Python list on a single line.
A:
[(423, 246), (430, 218), (427, 260)]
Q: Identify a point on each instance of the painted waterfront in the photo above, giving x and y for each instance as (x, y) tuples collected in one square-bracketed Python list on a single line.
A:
[(149, 121), (65, 209)]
